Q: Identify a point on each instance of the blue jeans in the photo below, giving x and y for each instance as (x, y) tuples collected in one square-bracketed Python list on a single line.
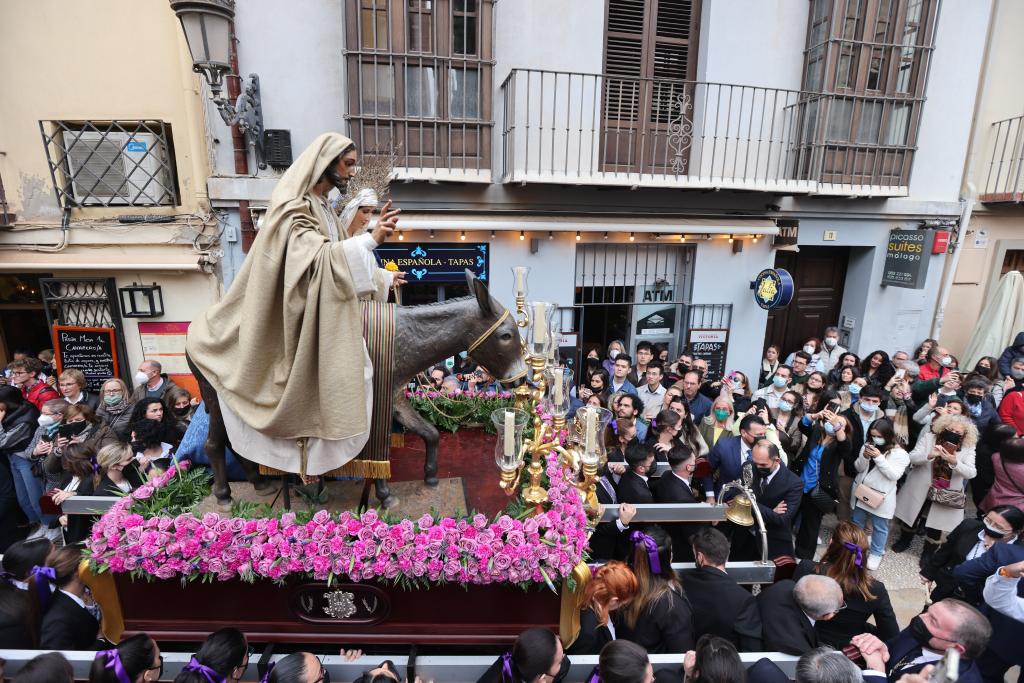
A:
[(28, 489), (879, 529)]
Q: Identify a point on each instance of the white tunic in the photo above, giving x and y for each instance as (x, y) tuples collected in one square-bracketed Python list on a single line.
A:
[(323, 455)]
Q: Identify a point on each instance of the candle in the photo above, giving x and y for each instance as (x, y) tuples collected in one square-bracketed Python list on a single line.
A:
[(540, 322), (510, 434), (557, 376), (591, 431), (520, 280)]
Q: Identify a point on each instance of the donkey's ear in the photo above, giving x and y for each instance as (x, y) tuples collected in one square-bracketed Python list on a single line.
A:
[(479, 289)]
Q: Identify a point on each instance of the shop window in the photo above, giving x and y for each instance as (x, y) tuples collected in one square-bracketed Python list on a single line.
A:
[(112, 163)]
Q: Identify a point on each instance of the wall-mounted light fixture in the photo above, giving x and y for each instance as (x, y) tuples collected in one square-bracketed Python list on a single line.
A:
[(207, 27), (522, 235), (462, 235), (141, 301)]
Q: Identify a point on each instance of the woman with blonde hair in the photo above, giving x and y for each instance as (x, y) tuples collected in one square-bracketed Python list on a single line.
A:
[(718, 422), (845, 560), (115, 407), (943, 463), (72, 387), (612, 587), (117, 473)]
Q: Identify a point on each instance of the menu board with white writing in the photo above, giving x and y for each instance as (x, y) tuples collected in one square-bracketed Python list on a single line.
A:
[(93, 350)]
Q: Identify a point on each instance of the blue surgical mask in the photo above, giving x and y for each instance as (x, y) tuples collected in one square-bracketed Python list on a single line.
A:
[(853, 389), (785, 406), (779, 382), (868, 407), (829, 429)]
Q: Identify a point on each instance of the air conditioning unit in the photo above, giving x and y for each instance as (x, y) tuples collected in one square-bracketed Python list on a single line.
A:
[(119, 169)]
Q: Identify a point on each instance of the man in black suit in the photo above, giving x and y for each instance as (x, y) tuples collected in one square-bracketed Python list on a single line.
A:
[(674, 487), (68, 625), (720, 606), (948, 623), (633, 486), (789, 610), (778, 493)]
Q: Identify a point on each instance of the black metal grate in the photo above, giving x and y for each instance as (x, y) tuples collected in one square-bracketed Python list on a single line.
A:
[(709, 317), (612, 273), (85, 302), (277, 147), (111, 163)]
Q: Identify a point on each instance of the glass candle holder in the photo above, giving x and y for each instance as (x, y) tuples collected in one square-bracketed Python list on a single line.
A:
[(510, 425), (520, 276), (559, 384), (539, 337), (591, 422)]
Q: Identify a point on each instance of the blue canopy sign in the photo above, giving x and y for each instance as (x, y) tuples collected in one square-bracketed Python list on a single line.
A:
[(435, 262)]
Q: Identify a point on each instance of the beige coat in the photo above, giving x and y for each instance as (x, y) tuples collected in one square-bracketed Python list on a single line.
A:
[(915, 490), (888, 469)]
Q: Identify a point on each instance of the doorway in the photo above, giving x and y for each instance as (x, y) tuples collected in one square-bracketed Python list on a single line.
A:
[(23, 324), (819, 274)]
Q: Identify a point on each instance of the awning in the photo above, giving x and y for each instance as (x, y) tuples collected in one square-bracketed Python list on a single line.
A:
[(107, 259), (703, 226)]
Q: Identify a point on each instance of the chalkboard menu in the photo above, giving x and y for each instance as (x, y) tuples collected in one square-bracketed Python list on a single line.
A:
[(711, 346), (93, 350)]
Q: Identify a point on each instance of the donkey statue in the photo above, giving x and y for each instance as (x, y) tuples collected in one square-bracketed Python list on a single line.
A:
[(424, 336)]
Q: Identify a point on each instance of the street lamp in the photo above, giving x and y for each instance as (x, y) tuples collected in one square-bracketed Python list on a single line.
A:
[(207, 28)]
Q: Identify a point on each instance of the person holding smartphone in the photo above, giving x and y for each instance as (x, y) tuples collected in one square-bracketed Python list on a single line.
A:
[(880, 464)]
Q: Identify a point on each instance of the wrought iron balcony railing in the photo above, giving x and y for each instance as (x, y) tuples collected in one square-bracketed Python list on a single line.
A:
[(1003, 181), (564, 127)]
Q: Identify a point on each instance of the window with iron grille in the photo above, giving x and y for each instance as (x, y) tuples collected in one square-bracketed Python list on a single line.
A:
[(111, 163), (865, 72), (419, 80)]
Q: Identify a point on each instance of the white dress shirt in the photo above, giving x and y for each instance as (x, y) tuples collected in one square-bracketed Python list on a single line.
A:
[(1001, 595)]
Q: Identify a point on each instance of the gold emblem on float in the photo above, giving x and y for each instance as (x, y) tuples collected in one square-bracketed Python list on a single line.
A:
[(767, 290), (391, 266)]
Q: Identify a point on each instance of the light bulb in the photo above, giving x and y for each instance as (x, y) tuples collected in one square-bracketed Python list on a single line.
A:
[(682, 237), (730, 239), (431, 234), (551, 235), (401, 236), (577, 235), (492, 234), (606, 235), (462, 235), (632, 236), (522, 235), (755, 239)]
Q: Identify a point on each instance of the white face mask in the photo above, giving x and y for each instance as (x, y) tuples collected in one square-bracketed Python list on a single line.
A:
[(809, 349), (878, 441), (613, 354), (141, 377), (45, 420), (831, 341)]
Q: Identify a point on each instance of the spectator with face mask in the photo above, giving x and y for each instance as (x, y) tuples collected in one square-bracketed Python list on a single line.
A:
[(780, 383), (1006, 358), (1011, 409), (616, 347), (937, 365), (150, 381), (832, 350), (116, 406)]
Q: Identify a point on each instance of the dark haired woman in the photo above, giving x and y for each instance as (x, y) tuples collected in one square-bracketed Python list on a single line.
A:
[(49, 667), (224, 657), (623, 662), (714, 660), (21, 557), (845, 560), (664, 433), (79, 463), (818, 466), (136, 659), (600, 380), (536, 657), (18, 422), (877, 369), (971, 538), (659, 618), (881, 463), (71, 621), (153, 409)]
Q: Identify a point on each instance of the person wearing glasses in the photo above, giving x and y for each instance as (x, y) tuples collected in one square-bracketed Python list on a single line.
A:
[(789, 612), (25, 375), (137, 657)]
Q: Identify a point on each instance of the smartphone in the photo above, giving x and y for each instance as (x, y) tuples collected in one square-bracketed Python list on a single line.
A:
[(948, 668)]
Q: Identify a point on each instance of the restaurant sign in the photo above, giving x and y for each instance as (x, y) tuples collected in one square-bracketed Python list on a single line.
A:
[(435, 262)]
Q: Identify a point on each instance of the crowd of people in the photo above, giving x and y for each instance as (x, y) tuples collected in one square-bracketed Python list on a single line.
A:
[(901, 444), (58, 439)]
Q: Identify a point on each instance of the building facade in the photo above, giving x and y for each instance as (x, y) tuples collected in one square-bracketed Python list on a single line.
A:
[(103, 165), (647, 158), (993, 243)]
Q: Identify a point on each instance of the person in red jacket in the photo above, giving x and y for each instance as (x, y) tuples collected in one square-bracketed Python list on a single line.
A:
[(25, 375), (1011, 409)]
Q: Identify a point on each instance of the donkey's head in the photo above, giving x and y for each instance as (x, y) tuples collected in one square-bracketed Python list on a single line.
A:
[(494, 337)]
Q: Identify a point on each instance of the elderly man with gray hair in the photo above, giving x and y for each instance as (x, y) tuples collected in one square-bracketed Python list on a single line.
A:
[(820, 665), (789, 611)]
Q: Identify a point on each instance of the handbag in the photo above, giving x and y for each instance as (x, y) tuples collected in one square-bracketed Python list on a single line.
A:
[(823, 500), (951, 498), (869, 496)]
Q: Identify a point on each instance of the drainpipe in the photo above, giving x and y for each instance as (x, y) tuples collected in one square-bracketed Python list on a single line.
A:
[(65, 225), (966, 208), (238, 146)]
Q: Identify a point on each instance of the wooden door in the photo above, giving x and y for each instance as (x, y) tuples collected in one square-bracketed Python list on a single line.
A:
[(818, 277)]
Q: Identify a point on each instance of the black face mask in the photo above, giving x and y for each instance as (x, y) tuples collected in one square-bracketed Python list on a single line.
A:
[(972, 399), (181, 412), (949, 436), (919, 631), (593, 362), (764, 471)]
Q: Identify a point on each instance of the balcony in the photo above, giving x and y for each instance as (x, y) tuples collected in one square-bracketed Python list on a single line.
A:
[(1003, 182), (591, 129)]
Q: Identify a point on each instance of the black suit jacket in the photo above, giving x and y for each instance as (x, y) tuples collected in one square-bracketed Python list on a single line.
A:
[(67, 626), (633, 489), (784, 486), (607, 542), (939, 567), (785, 627), (665, 626), (722, 608), (671, 489), (856, 438), (852, 620)]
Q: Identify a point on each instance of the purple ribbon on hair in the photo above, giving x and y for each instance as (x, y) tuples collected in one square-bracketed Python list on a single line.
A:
[(208, 673), (595, 675), (95, 465), (266, 676), (43, 587), (114, 662), (506, 668), (615, 427), (858, 551), (640, 538)]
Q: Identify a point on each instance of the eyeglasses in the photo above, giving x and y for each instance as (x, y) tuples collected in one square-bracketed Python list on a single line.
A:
[(325, 675), (159, 666)]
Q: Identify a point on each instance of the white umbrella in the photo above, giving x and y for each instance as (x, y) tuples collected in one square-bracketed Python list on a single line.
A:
[(1000, 321)]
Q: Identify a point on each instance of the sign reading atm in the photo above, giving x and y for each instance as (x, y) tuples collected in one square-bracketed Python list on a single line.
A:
[(435, 262)]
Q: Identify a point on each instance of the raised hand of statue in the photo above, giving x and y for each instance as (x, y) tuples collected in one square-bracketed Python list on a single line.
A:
[(386, 225), (399, 279)]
